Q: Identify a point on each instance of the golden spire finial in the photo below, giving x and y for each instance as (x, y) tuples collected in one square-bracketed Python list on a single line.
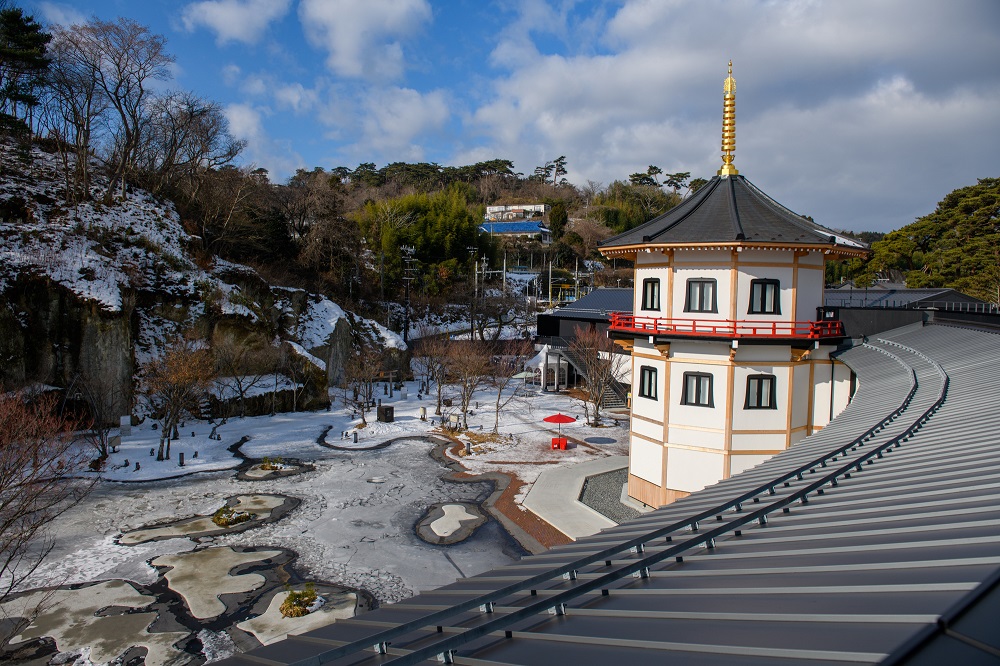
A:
[(728, 124)]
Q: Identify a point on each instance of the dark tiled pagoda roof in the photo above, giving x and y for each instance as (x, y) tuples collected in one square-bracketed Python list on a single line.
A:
[(731, 210)]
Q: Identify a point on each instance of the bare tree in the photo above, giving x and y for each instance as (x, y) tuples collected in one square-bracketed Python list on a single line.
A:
[(468, 366), (183, 138), (37, 460), (242, 366), (175, 384), (505, 367), (363, 372), (431, 354), (105, 397), (130, 57), (601, 365), (76, 105)]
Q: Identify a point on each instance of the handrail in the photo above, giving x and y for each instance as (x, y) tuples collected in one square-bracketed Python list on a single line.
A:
[(381, 640), (730, 328)]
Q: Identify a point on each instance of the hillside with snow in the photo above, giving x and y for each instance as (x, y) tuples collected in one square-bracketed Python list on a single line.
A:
[(132, 262)]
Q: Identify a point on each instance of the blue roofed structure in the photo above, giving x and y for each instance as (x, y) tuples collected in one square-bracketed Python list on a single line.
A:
[(519, 228)]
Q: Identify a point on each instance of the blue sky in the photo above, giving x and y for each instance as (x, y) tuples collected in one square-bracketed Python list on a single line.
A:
[(860, 113)]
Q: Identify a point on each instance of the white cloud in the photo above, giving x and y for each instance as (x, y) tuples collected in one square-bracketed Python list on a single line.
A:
[(362, 39), (234, 20), (60, 14), (247, 122), (839, 104), (396, 121), (296, 97)]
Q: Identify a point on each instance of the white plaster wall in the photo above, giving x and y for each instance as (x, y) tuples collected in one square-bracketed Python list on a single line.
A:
[(841, 396), (723, 291), (720, 257), (810, 296), (758, 442), (645, 460), (647, 407), (739, 464), (784, 275), (703, 438), (690, 415), (646, 429), (760, 419), (654, 256), (801, 392), (693, 470), (659, 273), (695, 350), (748, 353), (840, 387)]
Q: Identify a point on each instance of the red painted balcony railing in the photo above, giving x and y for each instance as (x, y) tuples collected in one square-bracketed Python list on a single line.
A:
[(626, 322)]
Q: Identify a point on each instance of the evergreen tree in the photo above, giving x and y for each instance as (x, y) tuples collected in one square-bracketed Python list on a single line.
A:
[(956, 246), (23, 65)]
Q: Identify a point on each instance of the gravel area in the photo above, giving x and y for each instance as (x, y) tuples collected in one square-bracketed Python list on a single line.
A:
[(602, 493)]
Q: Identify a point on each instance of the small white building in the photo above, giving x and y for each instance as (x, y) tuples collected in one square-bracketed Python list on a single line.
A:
[(516, 212), (731, 351)]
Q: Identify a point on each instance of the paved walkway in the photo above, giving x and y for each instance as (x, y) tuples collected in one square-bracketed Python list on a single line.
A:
[(554, 497)]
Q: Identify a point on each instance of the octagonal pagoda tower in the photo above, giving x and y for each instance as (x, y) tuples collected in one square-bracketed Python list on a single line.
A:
[(730, 346)]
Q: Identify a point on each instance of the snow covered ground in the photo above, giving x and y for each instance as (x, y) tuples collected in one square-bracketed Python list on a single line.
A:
[(355, 523)]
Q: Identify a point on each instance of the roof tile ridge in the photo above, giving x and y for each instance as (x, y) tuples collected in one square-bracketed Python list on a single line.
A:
[(696, 201), (734, 210), (792, 217)]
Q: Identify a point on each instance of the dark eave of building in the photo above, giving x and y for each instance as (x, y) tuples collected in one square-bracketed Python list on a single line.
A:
[(733, 211)]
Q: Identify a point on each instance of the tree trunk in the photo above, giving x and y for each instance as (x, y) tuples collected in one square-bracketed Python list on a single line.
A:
[(159, 454)]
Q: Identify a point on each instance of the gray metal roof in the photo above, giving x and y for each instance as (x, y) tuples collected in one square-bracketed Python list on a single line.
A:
[(866, 298), (598, 304), (875, 540), (729, 210)]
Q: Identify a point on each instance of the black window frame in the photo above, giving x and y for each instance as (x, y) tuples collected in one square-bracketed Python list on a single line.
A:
[(647, 382), (772, 393), (697, 399), (765, 282), (647, 285), (692, 282)]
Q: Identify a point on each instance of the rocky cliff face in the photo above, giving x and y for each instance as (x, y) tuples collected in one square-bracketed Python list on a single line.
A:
[(94, 291), (48, 335)]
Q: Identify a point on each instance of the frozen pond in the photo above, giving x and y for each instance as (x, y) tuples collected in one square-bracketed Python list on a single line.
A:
[(351, 528)]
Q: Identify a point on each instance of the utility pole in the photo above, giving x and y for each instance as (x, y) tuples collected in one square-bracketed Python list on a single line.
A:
[(550, 284), (408, 273), (472, 303)]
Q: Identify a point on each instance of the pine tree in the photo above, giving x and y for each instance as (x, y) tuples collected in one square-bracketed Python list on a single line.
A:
[(23, 65)]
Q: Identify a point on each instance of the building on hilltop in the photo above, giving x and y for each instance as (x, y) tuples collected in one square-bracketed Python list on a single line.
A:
[(731, 348), (535, 229), (516, 212)]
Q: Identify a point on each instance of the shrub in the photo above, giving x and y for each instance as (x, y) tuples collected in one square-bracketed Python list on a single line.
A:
[(227, 516), (297, 604), (271, 464)]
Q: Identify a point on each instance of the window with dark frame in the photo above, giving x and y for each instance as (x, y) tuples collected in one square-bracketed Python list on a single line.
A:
[(760, 392), (765, 297), (697, 390), (647, 382), (651, 294), (700, 296)]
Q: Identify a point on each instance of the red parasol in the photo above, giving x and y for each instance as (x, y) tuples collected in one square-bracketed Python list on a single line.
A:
[(560, 419)]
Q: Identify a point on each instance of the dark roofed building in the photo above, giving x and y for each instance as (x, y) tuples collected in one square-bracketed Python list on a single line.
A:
[(731, 210)]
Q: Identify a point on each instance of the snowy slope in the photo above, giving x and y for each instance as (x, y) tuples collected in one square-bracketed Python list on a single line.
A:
[(102, 252)]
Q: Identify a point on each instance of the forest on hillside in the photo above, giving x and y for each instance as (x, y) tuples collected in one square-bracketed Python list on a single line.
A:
[(86, 93)]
